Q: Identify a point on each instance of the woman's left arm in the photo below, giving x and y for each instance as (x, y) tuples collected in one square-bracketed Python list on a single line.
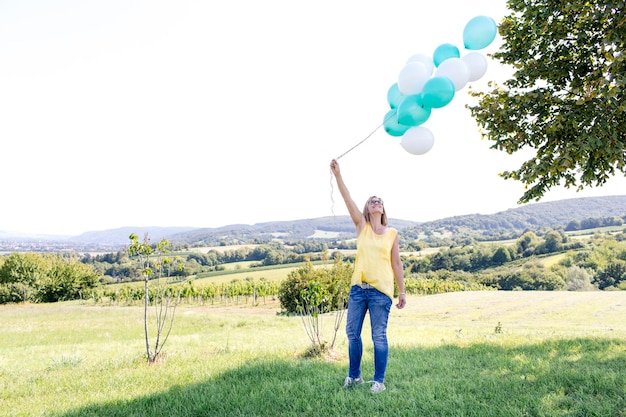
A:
[(398, 271)]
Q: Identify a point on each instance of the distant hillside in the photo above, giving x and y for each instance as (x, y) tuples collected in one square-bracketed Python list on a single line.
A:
[(555, 214), (120, 235), (338, 226)]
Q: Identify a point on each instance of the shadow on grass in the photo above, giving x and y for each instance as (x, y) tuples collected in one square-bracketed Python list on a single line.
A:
[(573, 377)]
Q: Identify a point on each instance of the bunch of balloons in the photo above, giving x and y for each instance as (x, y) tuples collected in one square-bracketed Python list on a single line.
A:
[(426, 83)]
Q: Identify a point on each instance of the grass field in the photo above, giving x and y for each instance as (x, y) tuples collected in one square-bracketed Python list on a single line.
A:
[(458, 354)]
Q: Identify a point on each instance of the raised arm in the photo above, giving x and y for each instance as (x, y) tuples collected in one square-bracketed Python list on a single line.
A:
[(355, 213)]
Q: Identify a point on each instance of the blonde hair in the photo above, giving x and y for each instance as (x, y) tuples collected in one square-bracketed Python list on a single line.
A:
[(366, 211)]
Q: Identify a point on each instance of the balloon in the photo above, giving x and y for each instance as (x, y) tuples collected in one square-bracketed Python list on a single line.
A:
[(445, 51), (479, 32), (392, 127), (417, 140), (476, 64), (412, 78), (394, 96), (412, 112), (456, 70), (424, 60), (437, 92)]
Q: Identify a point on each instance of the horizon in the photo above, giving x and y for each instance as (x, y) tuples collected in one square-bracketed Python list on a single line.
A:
[(14, 233)]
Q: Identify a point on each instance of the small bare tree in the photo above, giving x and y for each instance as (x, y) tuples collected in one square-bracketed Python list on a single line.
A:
[(316, 302), (155, 265)]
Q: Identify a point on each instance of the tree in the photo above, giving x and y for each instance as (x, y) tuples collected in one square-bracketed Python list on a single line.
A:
[(553, 242), (573, 225), (65, 279), (577, 279), (163, 298), (566, 98), (527, 244), (501, 256), (441, 260), (612, 275)]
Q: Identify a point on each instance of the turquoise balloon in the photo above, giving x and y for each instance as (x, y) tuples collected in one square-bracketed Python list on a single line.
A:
[(445, 51), (438, 92), (412, 111), (479, 32), (394, 96), (392, 127)]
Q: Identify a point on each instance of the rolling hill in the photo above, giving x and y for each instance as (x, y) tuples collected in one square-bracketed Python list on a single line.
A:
[(555, 214)]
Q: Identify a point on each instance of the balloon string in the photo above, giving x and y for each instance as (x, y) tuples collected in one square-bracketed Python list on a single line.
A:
[(391, 114), (332, 207), (366, 138), (332, 200)]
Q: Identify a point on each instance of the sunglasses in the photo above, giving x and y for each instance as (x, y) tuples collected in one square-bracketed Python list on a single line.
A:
[(376, 201)]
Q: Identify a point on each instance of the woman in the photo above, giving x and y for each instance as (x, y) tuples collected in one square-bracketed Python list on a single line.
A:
[(377, 264)]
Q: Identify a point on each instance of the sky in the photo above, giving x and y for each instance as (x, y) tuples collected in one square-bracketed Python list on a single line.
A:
[(204, 114)]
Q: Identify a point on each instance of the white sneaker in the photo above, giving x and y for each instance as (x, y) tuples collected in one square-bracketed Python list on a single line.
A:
[(378, 387), (352, 381)]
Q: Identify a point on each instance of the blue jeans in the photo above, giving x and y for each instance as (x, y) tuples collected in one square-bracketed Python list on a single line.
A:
[(360, 301)]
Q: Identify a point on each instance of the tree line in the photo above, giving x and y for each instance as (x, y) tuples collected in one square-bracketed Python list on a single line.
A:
[(595, 262)]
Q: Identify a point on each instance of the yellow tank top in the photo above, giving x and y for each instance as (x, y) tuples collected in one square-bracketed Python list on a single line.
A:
[(373, 259)]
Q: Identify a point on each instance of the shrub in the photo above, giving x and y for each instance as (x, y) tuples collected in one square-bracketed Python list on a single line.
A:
[(334, 283), (14, 293), (45, 278)]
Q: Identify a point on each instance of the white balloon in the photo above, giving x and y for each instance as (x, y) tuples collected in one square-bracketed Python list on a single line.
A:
[(412, 78), (476, 64), (417, 140), (426, 60), (456, 70)]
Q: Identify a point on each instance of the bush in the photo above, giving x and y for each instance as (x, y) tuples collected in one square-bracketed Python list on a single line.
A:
[(14, 293), (529, 279), (45, 278), (334, 282)]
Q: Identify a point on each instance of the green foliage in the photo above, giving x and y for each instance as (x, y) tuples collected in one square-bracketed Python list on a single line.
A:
[(469, 258), (566, 98), (15, 293), (234, 292), (45, 278), (321, 288), (611, 275), (593, 223), (498, 266), (532, 276), (553, 242), (601, 252), (432, 283), (473, 265), (65, 279), (527, 244), (501, 256), (24, 268)]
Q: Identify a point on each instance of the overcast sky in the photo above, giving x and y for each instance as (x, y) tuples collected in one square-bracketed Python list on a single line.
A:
[(204, 113)]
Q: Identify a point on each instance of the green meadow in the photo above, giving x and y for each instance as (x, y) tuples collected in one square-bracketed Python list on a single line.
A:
[(458, 354)]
